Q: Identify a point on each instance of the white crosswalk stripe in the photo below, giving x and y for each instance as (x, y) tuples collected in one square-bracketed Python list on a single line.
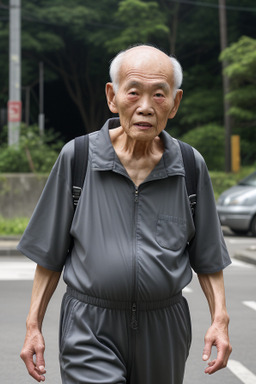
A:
[(24, 270), (250, 304), (241, 372), (187, 290), (18, 270), (242, 264)]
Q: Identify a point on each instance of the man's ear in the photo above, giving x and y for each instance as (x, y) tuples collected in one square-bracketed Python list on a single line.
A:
[(111, 97), (177, 101)]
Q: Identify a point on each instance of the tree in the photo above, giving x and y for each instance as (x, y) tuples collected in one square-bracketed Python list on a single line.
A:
[(74, 40), (62, 42), (241, 69), (140, 22), (209, 141)]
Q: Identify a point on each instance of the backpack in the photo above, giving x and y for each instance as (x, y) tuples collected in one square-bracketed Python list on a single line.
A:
[(81, 159)]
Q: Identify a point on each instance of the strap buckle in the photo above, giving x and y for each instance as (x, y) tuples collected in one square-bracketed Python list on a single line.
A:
[(192, 199), (76, 192)]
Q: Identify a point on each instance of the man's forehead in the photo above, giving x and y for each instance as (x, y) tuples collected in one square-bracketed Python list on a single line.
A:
[(147, 63), (156, 84)]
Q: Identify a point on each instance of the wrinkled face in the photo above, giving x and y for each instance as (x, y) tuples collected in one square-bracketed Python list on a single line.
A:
[(144, 99)]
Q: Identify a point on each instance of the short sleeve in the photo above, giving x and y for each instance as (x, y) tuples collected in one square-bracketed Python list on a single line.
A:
[(47, 238), (208, 252)]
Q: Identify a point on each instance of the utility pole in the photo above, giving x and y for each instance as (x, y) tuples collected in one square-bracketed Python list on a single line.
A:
[(14, 103), (226, 87), (41, 98)]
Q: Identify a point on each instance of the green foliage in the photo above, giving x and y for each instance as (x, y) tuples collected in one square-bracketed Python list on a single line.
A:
[(209, 141), (222, 181), (140, 21), (12, 227), (77, 39), (35, 153), (241, 58), (241, 69), (199, 107)]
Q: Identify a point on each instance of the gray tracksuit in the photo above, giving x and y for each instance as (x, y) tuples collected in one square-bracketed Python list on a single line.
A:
[(123, 317)]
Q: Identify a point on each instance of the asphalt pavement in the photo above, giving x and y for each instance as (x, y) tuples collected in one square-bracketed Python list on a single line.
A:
[(16, 284)]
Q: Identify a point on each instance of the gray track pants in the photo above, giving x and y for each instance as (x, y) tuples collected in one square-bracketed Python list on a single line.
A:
[(98, 344)]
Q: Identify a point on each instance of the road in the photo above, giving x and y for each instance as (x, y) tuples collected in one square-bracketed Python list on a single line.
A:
[(16, 275)]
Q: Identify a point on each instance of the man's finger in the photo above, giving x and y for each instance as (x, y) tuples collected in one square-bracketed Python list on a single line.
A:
[(207, 350), (39, 359), (33, 371), (216, 364), (34, 363)]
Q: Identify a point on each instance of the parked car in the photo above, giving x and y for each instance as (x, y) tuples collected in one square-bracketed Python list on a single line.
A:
[(237, 206)]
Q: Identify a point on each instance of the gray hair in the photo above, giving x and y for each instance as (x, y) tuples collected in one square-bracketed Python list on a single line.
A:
[(117, 62)]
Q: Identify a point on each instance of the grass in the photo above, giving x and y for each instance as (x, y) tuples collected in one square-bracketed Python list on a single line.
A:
[(13, 227)]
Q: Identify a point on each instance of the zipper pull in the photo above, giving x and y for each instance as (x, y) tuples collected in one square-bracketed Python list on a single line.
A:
[(136, 195), (134, 322)]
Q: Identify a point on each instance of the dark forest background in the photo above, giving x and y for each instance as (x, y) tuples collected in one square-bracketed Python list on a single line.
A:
[(76, 39)]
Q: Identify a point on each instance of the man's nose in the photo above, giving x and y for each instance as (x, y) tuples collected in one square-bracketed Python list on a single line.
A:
[(145, 106)]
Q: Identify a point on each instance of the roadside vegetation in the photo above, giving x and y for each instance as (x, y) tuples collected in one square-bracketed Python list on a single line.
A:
[(76, 41), (220, 181), (13, 227), (35, 154)]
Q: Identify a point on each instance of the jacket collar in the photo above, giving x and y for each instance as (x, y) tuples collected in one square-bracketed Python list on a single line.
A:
[(104, 156)]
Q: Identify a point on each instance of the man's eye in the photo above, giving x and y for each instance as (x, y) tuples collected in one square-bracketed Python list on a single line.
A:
[(159, 95), (133, 93)]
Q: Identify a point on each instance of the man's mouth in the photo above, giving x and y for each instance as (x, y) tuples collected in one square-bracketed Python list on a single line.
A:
[(143, 124)]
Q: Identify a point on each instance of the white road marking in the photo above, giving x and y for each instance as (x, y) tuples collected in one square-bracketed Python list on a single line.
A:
[(250, 304), (18, 270), (241, 241), (243, 264), (240, 371)]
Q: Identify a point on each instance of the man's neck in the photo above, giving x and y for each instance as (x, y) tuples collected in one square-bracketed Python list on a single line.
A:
[(138, 158)]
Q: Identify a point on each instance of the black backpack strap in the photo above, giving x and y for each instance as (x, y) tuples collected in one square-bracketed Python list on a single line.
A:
[(190, 172), (79, 166)]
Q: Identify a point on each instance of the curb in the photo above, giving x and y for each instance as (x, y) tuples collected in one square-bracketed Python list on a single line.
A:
[(246, 257), (8, 246), (10, 252)]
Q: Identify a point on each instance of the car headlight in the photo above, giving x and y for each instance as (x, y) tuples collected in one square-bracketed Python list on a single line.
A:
[(239, 201), (229, 201)]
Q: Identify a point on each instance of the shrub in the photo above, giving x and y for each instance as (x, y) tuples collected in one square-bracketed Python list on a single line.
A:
[(14, 226), (222, 181), (35, 153), (209, 141)]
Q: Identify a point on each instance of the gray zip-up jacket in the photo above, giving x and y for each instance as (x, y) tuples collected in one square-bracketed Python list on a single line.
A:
[(130, 243)]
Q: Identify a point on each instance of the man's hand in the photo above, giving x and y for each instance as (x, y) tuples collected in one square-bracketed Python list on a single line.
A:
[(45, 282), (33, 354), (217, 335)]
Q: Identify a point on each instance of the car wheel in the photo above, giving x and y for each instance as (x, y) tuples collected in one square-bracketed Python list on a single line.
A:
[(239, 232), (253, 226)]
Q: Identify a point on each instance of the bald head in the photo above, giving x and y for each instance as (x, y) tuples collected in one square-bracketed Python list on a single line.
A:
[(144, 56)]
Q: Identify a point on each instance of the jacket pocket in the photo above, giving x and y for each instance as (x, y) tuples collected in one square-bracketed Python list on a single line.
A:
[(171, 232)]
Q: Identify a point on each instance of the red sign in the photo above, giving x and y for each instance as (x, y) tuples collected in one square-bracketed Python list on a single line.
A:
[(14, 111)]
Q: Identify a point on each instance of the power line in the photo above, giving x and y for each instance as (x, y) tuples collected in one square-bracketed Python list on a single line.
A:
[(211, 5)]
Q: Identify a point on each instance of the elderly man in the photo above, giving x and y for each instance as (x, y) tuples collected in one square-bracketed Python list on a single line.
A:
[(123, 317)]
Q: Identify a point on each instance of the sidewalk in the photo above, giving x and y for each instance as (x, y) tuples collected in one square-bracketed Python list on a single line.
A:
[(8, 248), (247, 255)]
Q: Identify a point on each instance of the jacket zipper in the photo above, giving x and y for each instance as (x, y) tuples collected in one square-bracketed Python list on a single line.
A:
[(134, 321)]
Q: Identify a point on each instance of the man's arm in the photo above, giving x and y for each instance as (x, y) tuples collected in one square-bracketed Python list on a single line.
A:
[(45, 283), (217, 334)]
